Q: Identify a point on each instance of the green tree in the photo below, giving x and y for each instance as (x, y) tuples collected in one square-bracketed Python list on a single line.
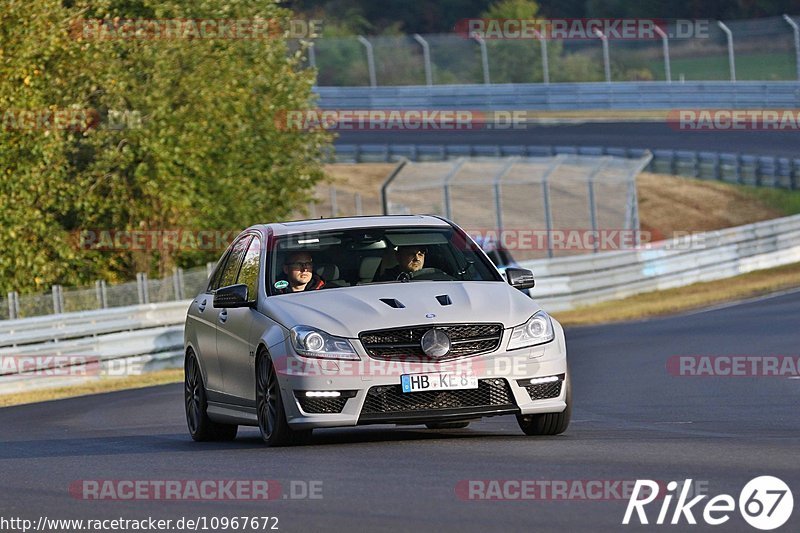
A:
[(208, 149)]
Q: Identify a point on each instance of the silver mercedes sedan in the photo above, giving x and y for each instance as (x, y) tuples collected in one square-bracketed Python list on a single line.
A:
[(368, 320)]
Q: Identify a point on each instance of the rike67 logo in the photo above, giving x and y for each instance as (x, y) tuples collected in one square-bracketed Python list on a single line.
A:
[(765, 503)]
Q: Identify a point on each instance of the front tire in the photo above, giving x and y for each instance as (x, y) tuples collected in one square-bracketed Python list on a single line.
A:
[(548, 423), (201, 427), (269, 408)]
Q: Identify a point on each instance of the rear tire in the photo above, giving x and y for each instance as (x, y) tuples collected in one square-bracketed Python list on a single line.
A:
[(548, 423), (447, 425), (269, 408), (201, 427)]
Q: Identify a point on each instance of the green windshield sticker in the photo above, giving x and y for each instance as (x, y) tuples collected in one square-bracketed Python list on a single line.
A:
[(282, 284)]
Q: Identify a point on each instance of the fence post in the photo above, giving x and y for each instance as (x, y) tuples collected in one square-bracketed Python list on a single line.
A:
[(731, 57), (647, 158), (426, 56), (13, 305), (334, 206), (181, 283), (312, 55), (606, 56), (592, 203), (484, 58), (209, 269), (373, 81), (359, 208), (388, 181), (141, 286), (100, 291), (796, 32), (58, 300), (665, 46), (176, 284), (545, 60), (498, 201), (548, 214), (448, 208)]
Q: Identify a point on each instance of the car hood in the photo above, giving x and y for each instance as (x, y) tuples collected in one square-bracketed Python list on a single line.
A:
[(347, 311)]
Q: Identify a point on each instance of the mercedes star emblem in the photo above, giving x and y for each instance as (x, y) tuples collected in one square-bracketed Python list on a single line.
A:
[(435, 343)]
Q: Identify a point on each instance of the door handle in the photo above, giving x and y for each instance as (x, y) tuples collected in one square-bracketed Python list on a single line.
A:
[(202, 306), (223, 316)]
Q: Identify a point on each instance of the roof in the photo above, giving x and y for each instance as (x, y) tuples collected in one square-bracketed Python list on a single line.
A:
[(332, 224)]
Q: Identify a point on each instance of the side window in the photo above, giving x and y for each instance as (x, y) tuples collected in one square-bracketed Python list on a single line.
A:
[(231, 269), (249, 272), (213, 283)]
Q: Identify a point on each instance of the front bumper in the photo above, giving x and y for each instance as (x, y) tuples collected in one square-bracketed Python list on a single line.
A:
[(370, 390)]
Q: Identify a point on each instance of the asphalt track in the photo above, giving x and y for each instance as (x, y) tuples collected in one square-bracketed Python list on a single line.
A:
[(631, 420), (652, 135)]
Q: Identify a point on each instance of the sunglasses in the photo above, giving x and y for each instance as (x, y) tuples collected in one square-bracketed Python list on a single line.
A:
[(300, 266)]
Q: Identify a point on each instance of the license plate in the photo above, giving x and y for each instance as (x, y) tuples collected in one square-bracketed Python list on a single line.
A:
[(438, 381)]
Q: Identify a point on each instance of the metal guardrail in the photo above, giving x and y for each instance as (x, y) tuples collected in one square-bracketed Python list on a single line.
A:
[(567, 96), (743, 169), (63, 327), (569, 282), (93, 344)]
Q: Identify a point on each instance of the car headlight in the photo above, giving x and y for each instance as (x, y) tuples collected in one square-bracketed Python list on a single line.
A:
[(311, 342), (537, 330)]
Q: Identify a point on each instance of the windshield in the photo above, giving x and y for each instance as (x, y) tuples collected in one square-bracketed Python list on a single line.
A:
[(324, 260)]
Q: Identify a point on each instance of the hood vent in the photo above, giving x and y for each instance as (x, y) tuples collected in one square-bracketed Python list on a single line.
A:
[(391, 302), (444, 299)]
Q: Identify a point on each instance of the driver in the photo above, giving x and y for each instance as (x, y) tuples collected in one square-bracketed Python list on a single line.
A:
[(299, 273), (409, 259)]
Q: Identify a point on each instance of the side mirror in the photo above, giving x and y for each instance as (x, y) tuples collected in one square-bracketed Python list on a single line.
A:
[(232, 296), (520, 278)]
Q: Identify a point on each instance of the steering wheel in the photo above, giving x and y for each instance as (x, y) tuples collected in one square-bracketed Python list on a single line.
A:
[(428, 273)]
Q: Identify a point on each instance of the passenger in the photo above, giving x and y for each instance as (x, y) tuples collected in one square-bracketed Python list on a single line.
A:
[(409, 259), (298, 269)]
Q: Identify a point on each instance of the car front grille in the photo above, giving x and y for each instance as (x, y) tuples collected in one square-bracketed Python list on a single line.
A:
[(465, 339), (544, 391), (390, 399)]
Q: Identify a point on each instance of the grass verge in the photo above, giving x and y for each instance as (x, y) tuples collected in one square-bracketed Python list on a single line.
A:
[(697, 296), (160, 377)]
